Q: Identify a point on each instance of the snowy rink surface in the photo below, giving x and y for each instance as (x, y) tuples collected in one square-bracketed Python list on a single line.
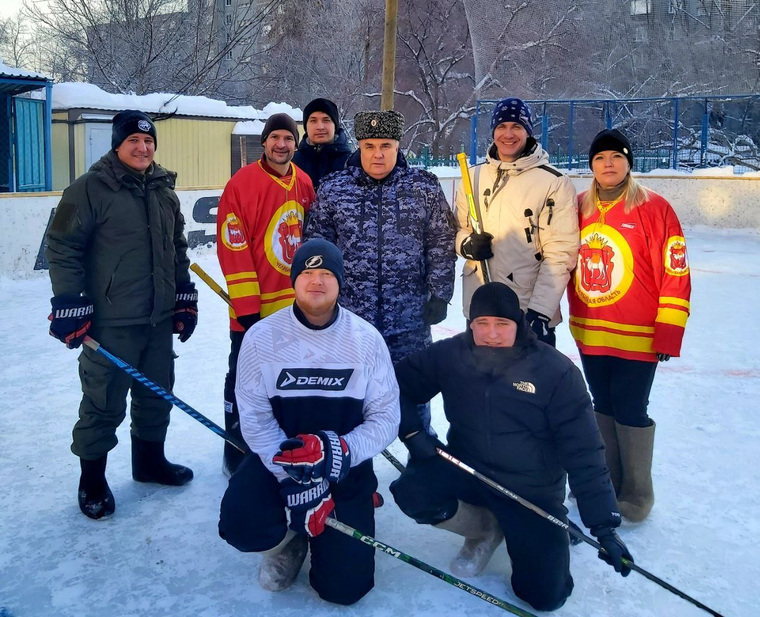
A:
[(160, 555)]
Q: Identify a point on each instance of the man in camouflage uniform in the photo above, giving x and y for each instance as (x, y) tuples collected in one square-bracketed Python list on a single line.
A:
[(396, 232)]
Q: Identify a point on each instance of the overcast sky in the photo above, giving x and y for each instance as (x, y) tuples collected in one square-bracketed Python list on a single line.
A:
[(9, 8)]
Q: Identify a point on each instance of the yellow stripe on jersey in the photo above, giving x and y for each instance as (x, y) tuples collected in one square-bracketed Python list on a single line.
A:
[(675, 317), (601, 338), (267, 308), (601, 323), (241, 275), (282, 293), (243, 290), (675, 302)]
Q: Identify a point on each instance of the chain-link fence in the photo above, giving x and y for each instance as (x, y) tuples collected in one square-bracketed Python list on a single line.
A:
[(666, 133)]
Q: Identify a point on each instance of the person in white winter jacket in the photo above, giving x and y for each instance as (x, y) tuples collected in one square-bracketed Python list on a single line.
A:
[(529, 228)]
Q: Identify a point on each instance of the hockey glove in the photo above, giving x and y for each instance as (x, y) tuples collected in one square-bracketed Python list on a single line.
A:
[(477, 247), (185, 311), (540, 325), (434, 311), (663, 357), (248, 320), (422, 446), (313, 458), (70, 319), (616, 551), (307, 506)]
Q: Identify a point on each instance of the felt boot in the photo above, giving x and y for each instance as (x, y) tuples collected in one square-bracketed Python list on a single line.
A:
[(608, 432), (94, 496), (150, 465), (482, 537), (282, 564), (637, 493)]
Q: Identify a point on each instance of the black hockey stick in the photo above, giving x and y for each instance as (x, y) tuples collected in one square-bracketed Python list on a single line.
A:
[(224, 296), (574, 532), (152, 385), (421, 565)]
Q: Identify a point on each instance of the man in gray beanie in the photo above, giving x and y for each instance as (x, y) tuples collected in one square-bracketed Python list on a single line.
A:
[(120, 273), (518, 413), (396, 231), (318, 399), (529, 233)]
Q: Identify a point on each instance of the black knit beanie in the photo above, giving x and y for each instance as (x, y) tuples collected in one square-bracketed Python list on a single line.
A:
[(277, 122), (128, 122), (318, 253), (326, 106), (610, 139), (495, 300)]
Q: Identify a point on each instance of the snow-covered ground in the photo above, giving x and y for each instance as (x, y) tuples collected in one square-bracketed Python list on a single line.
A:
[(160, 553)]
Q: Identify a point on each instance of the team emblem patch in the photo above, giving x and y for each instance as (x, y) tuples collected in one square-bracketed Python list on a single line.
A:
[(602, 277), (233, 236), (143, 125), (676, 261), (314, 262), (284, 235)]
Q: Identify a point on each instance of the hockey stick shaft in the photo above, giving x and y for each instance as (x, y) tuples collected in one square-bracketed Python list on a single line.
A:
[(474, 207), (574, 532), (223, 295), (421, 565), (152, 385)]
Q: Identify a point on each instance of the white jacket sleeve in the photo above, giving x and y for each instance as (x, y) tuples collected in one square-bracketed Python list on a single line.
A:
[(560, 241)]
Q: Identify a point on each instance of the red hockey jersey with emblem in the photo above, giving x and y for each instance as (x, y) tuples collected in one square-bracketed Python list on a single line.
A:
[(629, 294), (259, 227)]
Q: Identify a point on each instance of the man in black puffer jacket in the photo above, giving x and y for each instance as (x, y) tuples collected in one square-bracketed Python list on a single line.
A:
[(324, 148), (519, 413)]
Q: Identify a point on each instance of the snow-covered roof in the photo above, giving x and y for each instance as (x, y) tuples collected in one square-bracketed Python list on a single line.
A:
[(248, 127), (88, 96), (14, 73)]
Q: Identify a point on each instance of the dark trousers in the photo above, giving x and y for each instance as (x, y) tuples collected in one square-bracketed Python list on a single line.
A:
[(620, 388), (539, 550), (232, 455), (253, 519), (105, 386), (402, 345)]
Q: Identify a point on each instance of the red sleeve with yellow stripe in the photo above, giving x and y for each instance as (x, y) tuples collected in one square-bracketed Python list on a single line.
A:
[(675, 287), (234, 225)]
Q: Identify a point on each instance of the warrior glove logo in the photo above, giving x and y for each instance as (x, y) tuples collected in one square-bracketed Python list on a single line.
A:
[(334, 380)]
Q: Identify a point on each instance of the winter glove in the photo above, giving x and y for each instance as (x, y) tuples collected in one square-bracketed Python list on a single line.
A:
[(477, 247), (662, 357), (312, 458), (307, 505), (185, 311), (70, 319), (422, 446), (248, 320), (616, 551), (540, 325), (434, 311)]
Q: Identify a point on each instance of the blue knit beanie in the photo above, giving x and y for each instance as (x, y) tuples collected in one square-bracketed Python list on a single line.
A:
[(318, 253), (512, 110)]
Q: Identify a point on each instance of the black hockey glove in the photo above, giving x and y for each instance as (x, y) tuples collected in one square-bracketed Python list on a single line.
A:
[(70, 319), (615, 549), (248, 320), (185, 311), (434, 311), (540, 325), (422, 446), (663, 357), (477, 247)]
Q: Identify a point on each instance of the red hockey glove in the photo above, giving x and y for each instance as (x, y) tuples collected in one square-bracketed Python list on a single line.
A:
[(307, 506), (312, 458)]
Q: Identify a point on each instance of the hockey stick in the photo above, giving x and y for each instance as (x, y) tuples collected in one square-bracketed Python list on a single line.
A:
[(152, 385), (474, 206), (223, 295), (421, 565), (577, 533)]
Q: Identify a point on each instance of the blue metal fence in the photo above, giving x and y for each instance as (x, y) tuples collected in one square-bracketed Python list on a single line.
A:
[(675, 132)]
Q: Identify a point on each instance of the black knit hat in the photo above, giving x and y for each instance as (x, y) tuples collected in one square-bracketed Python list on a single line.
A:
[(128, 122), (277, 122), (512, 110), (325, 106), (318, 253), (611, 139), (495, 300), (378, 125)]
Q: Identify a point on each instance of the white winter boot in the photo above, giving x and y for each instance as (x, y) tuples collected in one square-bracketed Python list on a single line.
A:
[(282, 564), (482, 537)]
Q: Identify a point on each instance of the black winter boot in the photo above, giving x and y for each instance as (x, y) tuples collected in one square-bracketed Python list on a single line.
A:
[(94, 496), (150, 465)]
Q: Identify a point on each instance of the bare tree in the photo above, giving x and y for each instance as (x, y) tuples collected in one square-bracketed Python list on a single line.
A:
[(16, 44)]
